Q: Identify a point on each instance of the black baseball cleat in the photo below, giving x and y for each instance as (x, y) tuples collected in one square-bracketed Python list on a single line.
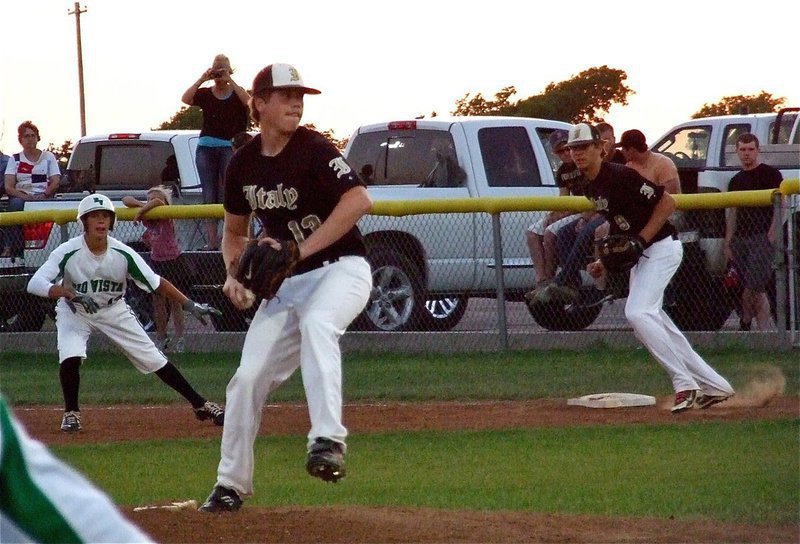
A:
[(326, 460), (71, 422), (211, 410), (222, 499)]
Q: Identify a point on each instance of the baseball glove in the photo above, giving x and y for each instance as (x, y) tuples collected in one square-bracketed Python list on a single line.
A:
[(263, 268), (620, 252)]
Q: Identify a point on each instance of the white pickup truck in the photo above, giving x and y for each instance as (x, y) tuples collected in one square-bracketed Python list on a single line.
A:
[(117, 165), (426, 267), (704, 151)]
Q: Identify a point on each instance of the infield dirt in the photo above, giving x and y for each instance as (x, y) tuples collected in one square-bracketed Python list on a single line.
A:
[(356, 524)]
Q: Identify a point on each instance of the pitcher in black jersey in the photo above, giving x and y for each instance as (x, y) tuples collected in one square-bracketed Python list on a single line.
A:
[(636, 207), (302, 189)]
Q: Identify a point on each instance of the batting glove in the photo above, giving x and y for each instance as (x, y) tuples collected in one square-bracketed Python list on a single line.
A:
[(200, 310), (88, 303)]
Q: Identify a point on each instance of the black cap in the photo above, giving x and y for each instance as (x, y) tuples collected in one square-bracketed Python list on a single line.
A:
[(558, 138), (633, 139)]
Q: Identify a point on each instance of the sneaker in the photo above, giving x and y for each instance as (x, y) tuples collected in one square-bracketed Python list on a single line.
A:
[(530, 296), (326, 460), (71, 422), (684, 400), (180, 345), (563, 293), (211, 410), (706, 401), (222, 499)]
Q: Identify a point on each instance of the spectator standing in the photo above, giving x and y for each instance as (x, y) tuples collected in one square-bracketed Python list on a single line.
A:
[(312, 196), (88, 276), (611, 153), (541, 236), (42, 499), (224, 106), (167, 261), (652, 166), (640, 209), (31, 174), (750, 234)]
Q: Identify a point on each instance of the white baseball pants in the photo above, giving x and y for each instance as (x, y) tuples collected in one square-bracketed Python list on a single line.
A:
[(118, 323), (301, 326), (648, 280)]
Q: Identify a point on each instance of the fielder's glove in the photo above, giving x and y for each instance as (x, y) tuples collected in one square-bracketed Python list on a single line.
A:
[(263, 268), (620, 252), (200, 310), (88, 303)]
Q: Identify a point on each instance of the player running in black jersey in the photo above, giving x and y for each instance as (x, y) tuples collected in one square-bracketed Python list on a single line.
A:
[(636, 207)]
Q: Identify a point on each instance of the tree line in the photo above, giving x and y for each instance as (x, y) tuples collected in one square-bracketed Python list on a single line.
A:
[(584, 98)]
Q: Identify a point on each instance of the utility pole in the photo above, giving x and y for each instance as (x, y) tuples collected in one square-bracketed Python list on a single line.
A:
[(77, 13)]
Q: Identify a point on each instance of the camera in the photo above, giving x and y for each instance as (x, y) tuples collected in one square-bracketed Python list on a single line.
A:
[(217, 73)]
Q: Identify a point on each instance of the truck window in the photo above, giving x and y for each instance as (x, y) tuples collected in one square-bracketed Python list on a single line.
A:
[(785, 131), (425, 158), (544, 137), (729, 136), (124, 165), (687, 147), (508, 157)]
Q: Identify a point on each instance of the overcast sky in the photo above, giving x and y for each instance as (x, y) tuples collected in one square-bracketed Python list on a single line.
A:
[(385, 60)]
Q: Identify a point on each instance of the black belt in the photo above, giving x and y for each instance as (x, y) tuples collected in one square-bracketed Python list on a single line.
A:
[(302, 270), (673, 236)]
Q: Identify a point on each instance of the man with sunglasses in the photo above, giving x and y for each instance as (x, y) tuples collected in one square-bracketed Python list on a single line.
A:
[(541, 235)]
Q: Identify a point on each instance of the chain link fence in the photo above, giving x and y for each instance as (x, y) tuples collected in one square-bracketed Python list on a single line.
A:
[(436, 282)]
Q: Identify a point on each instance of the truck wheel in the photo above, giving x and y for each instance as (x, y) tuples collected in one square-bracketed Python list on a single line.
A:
[(397, 301), (27, 318), (704, 305), (444, 312), (695, 300), (555, 316)]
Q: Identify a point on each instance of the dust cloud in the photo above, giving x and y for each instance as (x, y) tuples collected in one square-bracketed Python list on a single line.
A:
[(764, 384)]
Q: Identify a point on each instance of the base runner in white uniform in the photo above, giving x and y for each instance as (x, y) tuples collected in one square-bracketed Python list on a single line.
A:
[(89, 275), (301, 189), (637, 207)]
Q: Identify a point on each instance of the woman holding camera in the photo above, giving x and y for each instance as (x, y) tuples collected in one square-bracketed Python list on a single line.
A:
[(225, 114)]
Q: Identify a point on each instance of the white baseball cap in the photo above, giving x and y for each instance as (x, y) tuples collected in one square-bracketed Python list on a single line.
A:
[(583, 133), (280, 76)]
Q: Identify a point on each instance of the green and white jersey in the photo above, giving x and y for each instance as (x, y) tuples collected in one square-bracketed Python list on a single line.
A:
[(44, 500), (102, 277)]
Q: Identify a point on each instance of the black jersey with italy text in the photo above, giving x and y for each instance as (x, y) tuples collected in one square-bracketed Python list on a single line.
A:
[(571, 178), (626, 200), (294, 192)]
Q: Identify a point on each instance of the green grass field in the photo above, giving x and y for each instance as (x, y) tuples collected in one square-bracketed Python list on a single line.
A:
[(729, 471)]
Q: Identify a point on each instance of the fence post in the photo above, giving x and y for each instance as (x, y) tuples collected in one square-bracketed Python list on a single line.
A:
[(779, 265), (791, 264), (497, 238), (64, 230)]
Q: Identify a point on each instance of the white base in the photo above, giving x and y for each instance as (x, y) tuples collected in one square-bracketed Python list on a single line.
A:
[(612, 400)]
